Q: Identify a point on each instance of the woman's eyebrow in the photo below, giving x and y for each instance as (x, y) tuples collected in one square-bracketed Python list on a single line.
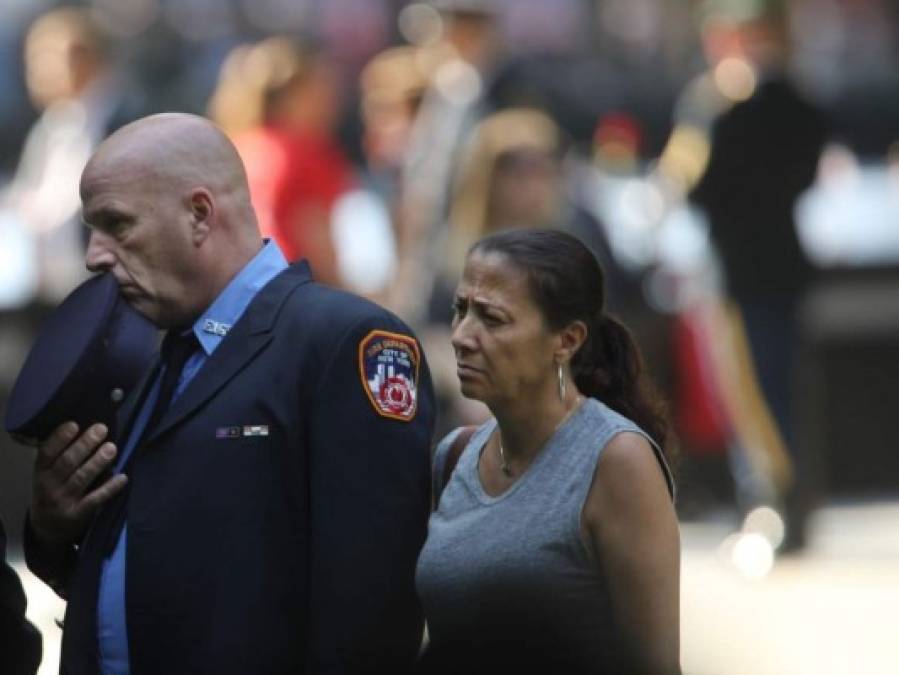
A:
[(484, 303)]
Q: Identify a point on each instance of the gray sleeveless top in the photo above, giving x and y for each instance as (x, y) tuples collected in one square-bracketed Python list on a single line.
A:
[(509, 581)]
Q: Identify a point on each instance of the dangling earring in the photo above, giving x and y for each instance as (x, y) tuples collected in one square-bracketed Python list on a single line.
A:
[(561, 384)]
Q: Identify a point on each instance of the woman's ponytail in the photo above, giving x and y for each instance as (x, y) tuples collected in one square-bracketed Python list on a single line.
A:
[(609, 367)]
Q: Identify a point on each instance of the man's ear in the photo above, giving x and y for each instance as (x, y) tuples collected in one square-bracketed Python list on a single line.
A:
[(202, 210)]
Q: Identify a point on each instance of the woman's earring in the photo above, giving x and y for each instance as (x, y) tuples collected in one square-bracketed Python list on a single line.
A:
[(561, 383)]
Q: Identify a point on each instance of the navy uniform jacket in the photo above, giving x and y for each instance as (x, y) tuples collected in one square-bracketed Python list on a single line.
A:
[(287, 548)]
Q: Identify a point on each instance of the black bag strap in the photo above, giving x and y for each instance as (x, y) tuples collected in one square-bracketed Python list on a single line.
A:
[(452, 458)]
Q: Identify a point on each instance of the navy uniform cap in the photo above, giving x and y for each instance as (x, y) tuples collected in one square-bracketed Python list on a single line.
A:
[(88, 356)]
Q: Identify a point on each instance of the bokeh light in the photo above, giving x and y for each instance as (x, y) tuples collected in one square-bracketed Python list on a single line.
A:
[(125, 19), (736, 78), (750, 554), (420, 24)]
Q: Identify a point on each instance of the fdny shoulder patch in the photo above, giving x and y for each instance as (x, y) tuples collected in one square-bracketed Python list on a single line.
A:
[(388, 366)]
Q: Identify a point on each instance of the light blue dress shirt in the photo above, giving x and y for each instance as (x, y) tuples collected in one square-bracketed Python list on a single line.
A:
[(210, 329)]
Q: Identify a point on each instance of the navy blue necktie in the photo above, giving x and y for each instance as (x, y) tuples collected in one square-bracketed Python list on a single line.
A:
[(177, 348)]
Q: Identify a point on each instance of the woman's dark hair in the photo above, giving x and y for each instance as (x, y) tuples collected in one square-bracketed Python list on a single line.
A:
[(567, 284)]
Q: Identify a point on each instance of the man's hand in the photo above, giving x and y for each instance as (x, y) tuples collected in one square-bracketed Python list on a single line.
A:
[(65, 497)]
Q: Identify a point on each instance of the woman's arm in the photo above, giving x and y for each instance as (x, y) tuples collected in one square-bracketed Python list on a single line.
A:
[(630, 521)]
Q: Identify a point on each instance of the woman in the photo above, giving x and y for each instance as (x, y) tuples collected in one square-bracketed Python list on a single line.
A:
[(554, 547), (279, 101)]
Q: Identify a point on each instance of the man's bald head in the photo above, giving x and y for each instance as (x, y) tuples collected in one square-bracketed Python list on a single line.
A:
[(168, 202), (176, 148)]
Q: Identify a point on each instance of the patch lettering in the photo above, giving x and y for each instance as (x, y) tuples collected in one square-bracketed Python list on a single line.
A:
[(388, 367), (216, 327)]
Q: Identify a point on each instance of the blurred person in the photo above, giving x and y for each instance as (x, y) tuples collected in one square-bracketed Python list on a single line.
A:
[(554, 544), (367, 219), (392, 85), (279, 101), (270, 488), (20, 642), (461, 60), (71, 79), (764, 151), (513, 175)]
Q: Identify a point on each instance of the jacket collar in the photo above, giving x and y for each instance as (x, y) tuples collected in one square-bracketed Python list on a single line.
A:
[(246, 339)]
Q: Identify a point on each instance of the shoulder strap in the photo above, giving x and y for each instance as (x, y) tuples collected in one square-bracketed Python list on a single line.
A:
[(452, 458)]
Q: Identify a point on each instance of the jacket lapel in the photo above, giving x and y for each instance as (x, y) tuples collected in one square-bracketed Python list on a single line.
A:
[(249, 336)]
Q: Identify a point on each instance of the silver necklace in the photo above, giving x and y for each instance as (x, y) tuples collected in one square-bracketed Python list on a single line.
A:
[(504, 465)]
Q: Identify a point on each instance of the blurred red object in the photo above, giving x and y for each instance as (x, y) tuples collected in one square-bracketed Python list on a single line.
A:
[(295, 178), (699, 412), (617, 139)]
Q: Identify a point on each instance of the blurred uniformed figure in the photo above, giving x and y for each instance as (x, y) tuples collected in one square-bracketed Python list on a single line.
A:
[(746, 144)]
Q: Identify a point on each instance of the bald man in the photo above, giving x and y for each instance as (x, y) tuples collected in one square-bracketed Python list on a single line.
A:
[(269, 491)]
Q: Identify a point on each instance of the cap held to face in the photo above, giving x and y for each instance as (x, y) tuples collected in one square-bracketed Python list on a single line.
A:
[(89, 355)]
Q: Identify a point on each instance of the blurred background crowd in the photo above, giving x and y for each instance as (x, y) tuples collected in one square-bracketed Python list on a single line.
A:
[(734, 164)]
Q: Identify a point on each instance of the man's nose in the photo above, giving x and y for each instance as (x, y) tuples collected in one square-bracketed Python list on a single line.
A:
[(99, 257)]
